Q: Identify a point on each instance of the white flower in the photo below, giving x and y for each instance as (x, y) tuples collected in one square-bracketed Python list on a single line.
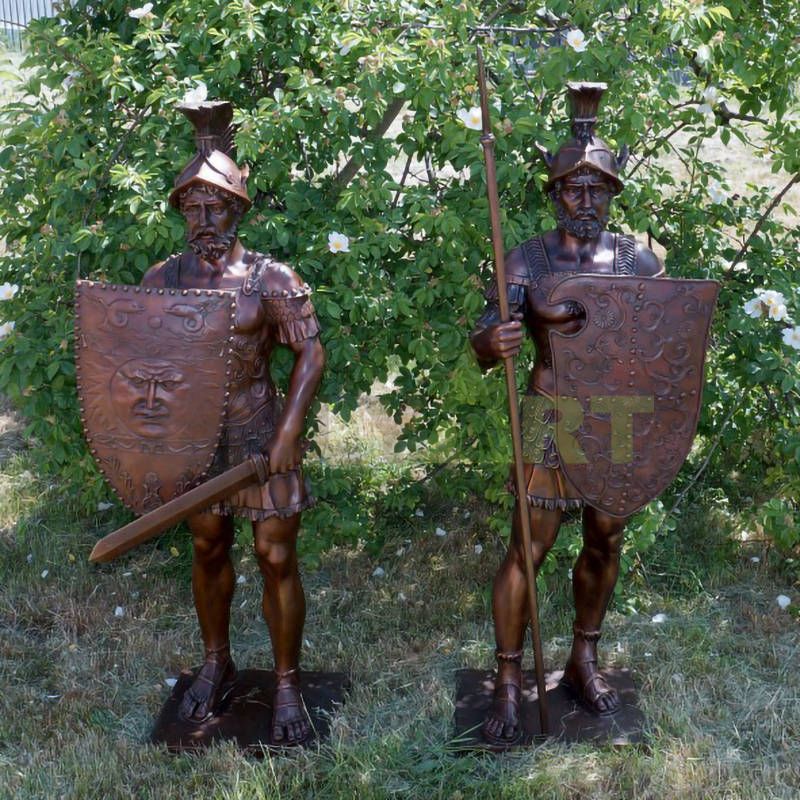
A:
[(471, 118), (658, 619), (440, 532), (770, 296), (399, 87), (716, 192), (754, 308), (705, 110), (711, 95), (140, 13), (241, 580), (419, 513), (378, 572), (754, 559), (195, 96), (401, 597), (576, 40), (45, 573), (104, 506), (6, 328), (171, 682), (777, 312), (119, 611), (338, 242), (29, 558), (703, 54), (783, 601), (791, 336), (478, 549), (775, 305)]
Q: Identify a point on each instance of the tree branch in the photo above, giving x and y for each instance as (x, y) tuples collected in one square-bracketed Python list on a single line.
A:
[(760, 223), (351, 168)]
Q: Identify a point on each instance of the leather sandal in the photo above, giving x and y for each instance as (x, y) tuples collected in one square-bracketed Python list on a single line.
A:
[(221, 677), (589, 690), (506, 705), (287, 696)]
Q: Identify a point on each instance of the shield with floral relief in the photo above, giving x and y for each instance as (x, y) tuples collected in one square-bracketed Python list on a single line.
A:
[(153, 368), (629, 384)]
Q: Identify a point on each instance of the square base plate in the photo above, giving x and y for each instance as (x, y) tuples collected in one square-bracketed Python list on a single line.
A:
[(570, 720), (246, 714)]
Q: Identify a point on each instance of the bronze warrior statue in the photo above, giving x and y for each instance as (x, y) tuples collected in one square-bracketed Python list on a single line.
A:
[(583, 177), (272, 307)]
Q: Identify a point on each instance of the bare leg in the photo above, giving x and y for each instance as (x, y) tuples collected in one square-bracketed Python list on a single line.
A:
[(511, 616), (593, 580), (284, 607), (212, 587)]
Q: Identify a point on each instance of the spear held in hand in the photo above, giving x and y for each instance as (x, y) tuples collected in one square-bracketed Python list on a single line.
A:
[(487, 140)]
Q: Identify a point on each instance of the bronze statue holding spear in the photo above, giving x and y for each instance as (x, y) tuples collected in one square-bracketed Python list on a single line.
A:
[(611, 342)]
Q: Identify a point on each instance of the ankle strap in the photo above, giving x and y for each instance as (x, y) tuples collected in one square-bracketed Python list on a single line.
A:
[(513, 655), (215, 651), (588, 636), (286, 673)]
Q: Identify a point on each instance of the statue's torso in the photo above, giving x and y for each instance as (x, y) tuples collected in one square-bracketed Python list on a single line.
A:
[(542, 271), (251, 387)]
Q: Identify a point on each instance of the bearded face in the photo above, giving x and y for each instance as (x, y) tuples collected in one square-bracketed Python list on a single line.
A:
[(212, 220), (582, 202)]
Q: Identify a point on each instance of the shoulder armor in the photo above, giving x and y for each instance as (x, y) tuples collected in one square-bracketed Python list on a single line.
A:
[(625, 259), (274, 281), (535, 259)]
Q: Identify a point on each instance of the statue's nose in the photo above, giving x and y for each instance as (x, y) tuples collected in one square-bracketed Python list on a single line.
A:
[(151, 393)]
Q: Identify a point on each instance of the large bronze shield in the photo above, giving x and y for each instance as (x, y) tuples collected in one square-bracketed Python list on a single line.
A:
[(153, 368), (629, 384)]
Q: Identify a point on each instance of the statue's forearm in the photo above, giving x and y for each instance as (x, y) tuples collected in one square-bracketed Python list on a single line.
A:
[(303, 384)]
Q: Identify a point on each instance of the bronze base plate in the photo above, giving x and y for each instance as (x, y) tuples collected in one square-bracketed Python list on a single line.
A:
[(246, 715), (570, 720)]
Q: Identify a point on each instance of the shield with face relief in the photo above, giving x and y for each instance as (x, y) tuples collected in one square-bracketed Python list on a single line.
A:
[(153, 368)]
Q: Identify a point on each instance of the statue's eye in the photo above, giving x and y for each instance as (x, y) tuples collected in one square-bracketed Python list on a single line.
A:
[(168, 386)]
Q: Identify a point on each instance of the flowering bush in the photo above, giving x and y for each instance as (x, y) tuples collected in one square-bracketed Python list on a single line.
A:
[(358, 120)]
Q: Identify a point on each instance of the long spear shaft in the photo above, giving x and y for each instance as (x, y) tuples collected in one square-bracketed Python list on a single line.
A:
[(487, 140)]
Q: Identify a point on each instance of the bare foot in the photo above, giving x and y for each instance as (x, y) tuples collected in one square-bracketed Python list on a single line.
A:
[(502, 724), (591, 688), (214, 682), (290, 721)]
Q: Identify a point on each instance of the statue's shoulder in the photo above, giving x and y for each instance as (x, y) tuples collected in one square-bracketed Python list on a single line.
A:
[(647, 262), (633, 258), (165, 274), (274, 280)]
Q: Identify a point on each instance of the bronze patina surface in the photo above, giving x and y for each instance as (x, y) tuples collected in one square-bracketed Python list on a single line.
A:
[(635, 369), (569, 719), (141, 356), (261, 432), (245, 716), (557, 286)]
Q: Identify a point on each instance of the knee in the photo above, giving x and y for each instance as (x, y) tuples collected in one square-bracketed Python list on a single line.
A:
[(604, 535), (275, 559), (210, 549)]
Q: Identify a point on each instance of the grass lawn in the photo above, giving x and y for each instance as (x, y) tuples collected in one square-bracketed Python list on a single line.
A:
[(719, 679)]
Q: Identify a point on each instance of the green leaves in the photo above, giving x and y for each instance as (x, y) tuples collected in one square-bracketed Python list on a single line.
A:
[(90, 147)]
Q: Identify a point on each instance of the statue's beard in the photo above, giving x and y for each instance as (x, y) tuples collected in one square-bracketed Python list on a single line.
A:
[(580, 228), (213, 248)]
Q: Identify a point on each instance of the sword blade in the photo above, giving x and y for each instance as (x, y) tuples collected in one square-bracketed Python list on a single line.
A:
[(201, 497)]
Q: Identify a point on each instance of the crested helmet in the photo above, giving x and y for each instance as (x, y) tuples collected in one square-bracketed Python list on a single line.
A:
[(585, 150), (212, 164)]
